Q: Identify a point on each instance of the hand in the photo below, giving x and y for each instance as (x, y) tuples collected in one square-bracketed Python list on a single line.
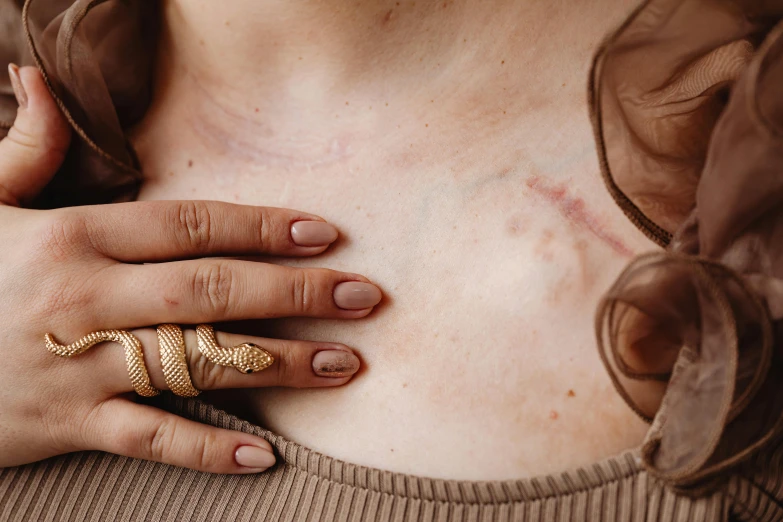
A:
[(78, 270)]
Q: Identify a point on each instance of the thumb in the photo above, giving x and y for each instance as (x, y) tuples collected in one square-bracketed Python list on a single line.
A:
[(36, 145), (145, 432)]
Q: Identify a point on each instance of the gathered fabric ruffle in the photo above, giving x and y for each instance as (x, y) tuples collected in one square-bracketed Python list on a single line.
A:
[(687, 106)]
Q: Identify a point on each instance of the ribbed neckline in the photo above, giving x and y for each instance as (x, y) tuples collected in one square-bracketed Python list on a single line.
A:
[(391, 483)]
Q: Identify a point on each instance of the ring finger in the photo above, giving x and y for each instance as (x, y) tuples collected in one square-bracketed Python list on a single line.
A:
[(298, 364)]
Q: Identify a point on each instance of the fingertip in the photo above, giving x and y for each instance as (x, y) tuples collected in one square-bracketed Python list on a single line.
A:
[(32, 87), (313, 233), (17, 85), (310, 251), (356, 314), (356, 295), (335, 362), (255, 457)]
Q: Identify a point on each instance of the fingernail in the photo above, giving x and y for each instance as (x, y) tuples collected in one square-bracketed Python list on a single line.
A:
[(335, 363), (16, 83), (356, 296), (254, 457), (313, 233)]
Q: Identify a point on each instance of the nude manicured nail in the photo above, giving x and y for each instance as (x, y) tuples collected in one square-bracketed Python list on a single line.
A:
[(254, 457), (313, 233), (356, 296), (16, 83), (335, 363)]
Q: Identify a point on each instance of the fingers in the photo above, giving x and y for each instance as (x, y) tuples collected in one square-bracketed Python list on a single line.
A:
[(186, 229), (298, 364), (36, 145), (213, 290), (144, 432)]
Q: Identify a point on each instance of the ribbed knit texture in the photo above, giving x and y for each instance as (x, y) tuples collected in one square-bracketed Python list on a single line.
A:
[(307, 486)]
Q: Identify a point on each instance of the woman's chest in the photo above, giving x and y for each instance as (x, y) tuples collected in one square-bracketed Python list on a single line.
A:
[(484, 342)]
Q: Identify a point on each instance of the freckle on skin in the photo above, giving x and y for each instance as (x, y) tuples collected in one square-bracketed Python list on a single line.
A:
[(190, 163), (571, 393), (553, 415)]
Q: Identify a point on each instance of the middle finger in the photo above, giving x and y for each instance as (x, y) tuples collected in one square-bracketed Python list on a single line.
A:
[(213, 290)]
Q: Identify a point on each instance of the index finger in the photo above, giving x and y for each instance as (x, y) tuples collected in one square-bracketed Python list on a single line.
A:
[(151, 231)]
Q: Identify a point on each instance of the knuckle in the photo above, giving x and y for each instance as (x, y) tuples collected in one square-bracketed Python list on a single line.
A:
[(207, 450), (64, 234), (35, 143), (212, 286), (264, 227), (158, 444), (304, 291), (294, 367), (193, 220), (205, 374), (23, 138)]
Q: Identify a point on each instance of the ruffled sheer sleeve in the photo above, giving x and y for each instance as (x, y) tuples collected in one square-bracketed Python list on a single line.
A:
[(687, 101), (96, 56)]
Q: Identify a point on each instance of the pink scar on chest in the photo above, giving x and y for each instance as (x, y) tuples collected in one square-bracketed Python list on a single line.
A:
[(576, 212)]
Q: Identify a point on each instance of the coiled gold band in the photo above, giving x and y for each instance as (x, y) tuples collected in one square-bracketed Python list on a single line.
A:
[(171, 343), (246, 357)]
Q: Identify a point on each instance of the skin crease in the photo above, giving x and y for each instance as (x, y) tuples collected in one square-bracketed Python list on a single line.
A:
[(450, 144)]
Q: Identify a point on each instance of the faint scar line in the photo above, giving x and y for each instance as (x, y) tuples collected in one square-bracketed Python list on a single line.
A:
[(574, 210)]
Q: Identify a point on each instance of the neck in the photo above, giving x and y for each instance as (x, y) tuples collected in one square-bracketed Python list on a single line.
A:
[(313, 78)]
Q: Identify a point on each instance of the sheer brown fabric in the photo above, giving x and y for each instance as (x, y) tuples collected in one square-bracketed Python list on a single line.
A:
[(687, 107), (688, 111), (96, 56)]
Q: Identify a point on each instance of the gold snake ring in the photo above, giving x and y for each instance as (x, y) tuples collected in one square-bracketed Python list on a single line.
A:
[(246, 357)]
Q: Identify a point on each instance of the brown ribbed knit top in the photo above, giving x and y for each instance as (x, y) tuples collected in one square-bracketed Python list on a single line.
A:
[(686, 101)]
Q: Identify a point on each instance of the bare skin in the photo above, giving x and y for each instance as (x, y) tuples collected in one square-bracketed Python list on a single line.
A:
[(450, 144)]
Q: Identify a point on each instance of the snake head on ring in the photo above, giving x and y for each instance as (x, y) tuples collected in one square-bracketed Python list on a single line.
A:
[(249, 358)]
